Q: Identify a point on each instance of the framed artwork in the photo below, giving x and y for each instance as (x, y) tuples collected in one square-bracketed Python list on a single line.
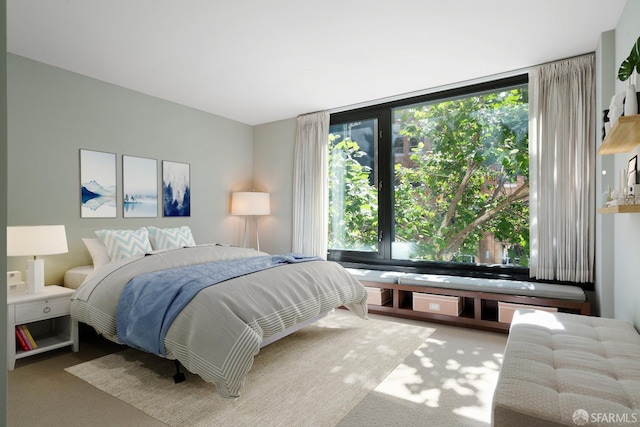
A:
[(633, 164), (139, 187), (97, 184), (176, 189), (632, 169)]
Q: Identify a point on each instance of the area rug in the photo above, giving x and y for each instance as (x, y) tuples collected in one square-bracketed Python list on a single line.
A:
[(313, 377), (448, 381)]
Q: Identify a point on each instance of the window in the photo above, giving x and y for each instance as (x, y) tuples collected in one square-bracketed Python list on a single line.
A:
[(353, 195), (437, 182)]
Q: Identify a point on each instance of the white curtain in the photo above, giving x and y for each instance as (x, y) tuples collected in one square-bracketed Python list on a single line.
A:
[(561, 141), (311, 185)]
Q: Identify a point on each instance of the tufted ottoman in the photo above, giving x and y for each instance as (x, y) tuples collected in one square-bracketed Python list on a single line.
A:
[(564, 369)]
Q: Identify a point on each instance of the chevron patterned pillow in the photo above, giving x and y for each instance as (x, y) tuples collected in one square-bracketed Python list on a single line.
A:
[(169, 238), (125, 243)]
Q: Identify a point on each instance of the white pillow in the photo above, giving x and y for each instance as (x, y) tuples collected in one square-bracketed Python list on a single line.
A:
[(125, 243), (169, 238), (98, 252)]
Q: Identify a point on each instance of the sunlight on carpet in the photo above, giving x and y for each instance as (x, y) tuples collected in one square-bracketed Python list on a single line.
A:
[(470, 377), (313, 377), (449, 380)]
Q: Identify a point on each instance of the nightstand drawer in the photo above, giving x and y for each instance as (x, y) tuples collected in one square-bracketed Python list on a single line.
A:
[(53, 307)]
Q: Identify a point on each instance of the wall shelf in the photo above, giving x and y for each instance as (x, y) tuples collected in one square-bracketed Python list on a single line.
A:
[(624, 136), (620, 209)]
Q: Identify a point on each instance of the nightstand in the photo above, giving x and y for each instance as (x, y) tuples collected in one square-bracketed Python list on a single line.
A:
[(47, 315)]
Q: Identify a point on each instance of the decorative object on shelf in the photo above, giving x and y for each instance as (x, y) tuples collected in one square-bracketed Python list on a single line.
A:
[(626, 72), (176, 189), (251, 204), (616, 108), (15, 285), (627, 191), (632, 168), (21, 339), (622, 184), (608, 197), (631, 101), (97, 184), (606, 124), (33, 241)]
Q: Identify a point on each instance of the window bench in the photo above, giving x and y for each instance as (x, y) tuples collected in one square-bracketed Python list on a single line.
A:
[(482, 303)]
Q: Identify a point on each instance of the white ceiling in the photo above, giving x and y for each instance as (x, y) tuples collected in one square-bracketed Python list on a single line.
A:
[(261, 61)]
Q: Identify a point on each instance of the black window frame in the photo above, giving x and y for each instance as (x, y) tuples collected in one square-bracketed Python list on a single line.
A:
[(382, 260)]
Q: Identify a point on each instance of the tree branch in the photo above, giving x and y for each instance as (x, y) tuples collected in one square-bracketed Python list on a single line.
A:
[(446, 221), (455, 241)]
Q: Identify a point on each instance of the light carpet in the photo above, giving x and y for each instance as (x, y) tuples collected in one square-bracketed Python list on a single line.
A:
[(448, 381), (313, 377)]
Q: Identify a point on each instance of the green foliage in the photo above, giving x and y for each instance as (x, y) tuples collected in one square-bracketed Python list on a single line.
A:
[(632, 62), (463, 187), (353, 201), (465, 180)]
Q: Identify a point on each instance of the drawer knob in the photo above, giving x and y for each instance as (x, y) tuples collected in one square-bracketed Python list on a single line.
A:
[(46, 310)]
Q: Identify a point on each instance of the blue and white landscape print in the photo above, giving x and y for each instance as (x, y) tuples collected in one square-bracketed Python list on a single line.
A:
[(140, 187), (176, 189), (97, 184)]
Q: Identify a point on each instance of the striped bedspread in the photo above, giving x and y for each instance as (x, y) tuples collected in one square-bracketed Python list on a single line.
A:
[(219, 331), (150, 302)]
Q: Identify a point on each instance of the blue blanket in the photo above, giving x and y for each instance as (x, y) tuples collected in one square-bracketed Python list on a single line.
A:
[(150, 302)]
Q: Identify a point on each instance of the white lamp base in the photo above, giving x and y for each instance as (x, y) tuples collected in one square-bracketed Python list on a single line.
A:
[(35, 276)]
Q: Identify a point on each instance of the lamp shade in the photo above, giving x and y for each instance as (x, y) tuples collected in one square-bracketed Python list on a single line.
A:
[(250, 203), (36, 240)]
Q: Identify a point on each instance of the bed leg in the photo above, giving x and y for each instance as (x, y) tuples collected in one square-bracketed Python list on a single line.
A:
[(179, 376)]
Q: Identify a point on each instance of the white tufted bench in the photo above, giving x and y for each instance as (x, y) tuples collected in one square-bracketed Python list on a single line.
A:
[(563, 369)]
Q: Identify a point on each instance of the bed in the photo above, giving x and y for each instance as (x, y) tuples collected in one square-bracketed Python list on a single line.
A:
[(220, 328), (76, 276)]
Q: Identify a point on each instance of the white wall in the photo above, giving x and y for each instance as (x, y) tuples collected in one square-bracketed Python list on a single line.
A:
[(53, 113), (603, 302), (273, 172), (626, 226)]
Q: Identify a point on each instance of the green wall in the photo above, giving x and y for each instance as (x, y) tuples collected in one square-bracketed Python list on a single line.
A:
[(606, 72), (3, 196), (53, 113), (273, 150)]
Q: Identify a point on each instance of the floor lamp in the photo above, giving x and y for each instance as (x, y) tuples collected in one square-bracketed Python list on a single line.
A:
[(249, 203), (33, 241)]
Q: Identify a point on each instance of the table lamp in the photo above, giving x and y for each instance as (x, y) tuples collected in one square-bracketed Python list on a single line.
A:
[(33, 241), (249, 203)]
